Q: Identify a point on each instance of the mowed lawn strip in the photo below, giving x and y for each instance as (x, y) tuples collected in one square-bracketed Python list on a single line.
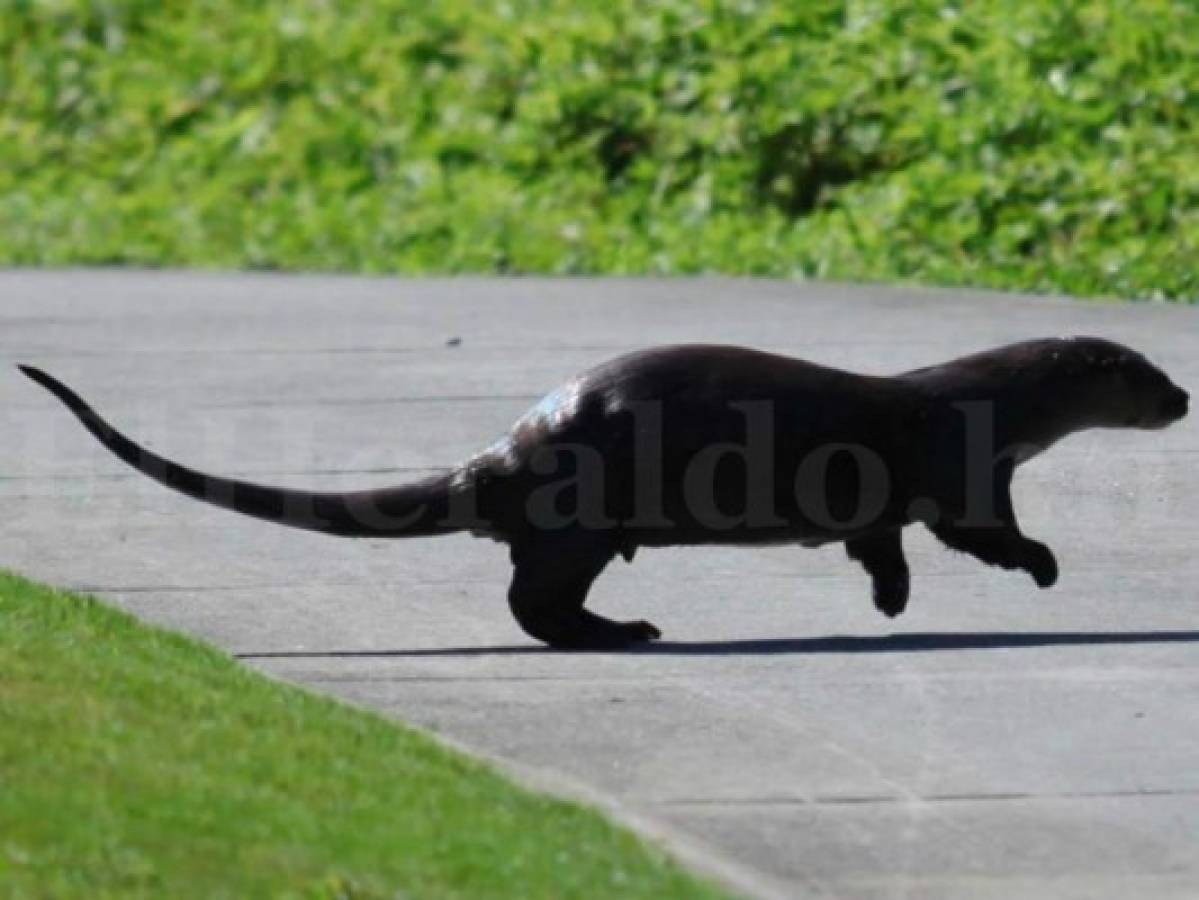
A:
[(137, 762)]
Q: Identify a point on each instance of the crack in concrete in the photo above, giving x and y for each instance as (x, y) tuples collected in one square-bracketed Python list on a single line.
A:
[(967, 797)]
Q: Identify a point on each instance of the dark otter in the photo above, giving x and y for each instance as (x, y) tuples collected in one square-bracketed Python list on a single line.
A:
[(712, 444)]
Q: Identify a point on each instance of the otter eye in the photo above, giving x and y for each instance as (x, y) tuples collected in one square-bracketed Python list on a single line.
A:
[(1145, 377)]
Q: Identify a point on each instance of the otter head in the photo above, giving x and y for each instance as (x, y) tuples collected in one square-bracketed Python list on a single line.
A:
[(1118, 387)]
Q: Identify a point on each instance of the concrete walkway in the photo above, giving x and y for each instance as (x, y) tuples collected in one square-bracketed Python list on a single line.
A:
[(996, 741)]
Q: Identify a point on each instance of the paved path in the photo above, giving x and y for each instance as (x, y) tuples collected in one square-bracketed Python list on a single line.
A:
[(996, 741)]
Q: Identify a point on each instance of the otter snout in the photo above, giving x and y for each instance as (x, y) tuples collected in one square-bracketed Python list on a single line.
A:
[(1176, 404)]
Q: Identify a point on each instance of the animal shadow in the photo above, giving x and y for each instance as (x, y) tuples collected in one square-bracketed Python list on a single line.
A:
[(909, 642)]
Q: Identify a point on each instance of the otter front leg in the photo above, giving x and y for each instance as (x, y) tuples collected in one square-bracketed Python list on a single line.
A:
[(1002, 546), (998, 542), (881, 555), (993, 535), (549, 587)]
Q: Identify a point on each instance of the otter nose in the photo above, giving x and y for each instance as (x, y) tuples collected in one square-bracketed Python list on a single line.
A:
[(1178, 403)]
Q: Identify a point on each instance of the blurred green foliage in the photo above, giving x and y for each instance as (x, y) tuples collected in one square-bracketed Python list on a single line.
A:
[(1027, 144)]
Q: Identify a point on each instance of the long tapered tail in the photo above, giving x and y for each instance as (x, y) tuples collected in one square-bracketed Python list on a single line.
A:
[(411, 510)]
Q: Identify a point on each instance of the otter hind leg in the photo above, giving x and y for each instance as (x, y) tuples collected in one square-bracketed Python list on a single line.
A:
[(881, 555), (549, 587)]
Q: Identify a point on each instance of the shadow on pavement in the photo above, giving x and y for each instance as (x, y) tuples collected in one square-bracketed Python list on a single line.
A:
[(915, 642)]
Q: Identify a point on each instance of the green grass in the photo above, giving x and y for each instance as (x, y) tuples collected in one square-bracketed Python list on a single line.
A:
[(136, 762), (1019, 144)]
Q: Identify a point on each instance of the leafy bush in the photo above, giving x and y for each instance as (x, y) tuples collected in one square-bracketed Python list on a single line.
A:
[(1025, 144)]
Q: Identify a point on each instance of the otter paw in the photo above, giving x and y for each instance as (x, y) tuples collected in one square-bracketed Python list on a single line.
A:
[(1040, 563), (641, 631), (890, 605), (891, 590)]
